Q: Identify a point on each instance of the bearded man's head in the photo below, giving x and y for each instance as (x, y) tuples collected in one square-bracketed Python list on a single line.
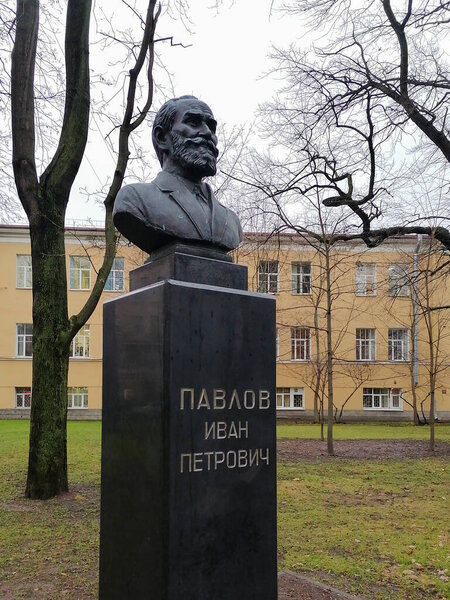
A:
[(184, 133)]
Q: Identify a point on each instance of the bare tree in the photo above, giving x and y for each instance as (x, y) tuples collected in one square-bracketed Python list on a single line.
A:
[(429, 297), (417, 299), (360, 123), (358, 374), (315, 309), (44, 198), (367, 110)]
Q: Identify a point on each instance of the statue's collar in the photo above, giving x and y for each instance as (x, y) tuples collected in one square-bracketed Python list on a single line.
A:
[(167, 182)]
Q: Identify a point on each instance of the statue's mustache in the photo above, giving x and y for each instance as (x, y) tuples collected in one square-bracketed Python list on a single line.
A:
[(201, 142)]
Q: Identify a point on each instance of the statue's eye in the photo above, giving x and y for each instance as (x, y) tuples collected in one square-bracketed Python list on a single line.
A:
[(194, 120)]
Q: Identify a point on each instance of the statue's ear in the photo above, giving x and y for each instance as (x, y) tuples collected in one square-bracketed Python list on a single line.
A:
[(161, 138)]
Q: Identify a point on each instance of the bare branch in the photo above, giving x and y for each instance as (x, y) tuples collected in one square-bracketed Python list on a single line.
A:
[(127, 127), (62, 170), (22, 102), (172, 43)]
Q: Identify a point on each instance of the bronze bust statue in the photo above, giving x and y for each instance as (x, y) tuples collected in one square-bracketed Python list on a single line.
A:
[(178, 206)]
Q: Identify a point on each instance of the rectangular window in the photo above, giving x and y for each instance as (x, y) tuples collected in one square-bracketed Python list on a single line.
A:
[(300, 343), (23, 397), (382, 399), (398, 280), (365, 344), (290, 398), (80, 273), (24, 273), (115, 281), (398, 344), (77, 397), (301, 278), (24, 340), (366, 279), (268, 276), (79, 348)]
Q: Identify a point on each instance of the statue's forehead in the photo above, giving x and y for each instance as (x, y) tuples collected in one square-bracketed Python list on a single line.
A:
[(189, 105)]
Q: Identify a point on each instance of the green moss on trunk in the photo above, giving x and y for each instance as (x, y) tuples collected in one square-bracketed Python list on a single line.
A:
[(47, 468)]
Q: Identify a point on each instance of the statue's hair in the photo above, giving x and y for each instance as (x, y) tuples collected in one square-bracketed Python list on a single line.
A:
[(165, 118)]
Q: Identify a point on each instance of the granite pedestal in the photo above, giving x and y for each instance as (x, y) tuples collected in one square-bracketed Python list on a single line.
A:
[(188, 507)]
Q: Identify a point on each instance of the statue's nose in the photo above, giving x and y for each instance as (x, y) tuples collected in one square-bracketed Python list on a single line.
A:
[(206, 132)]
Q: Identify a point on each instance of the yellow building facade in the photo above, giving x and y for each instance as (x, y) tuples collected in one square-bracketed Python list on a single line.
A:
[(84, 250), (378, 304), (375, 303)]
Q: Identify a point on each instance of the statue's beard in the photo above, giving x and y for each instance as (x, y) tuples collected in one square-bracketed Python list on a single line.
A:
[(194, 154)]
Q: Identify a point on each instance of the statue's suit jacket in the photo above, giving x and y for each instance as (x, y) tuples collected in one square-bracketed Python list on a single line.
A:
[(154, 214)]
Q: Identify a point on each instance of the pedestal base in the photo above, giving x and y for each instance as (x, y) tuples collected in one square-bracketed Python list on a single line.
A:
[(188, 509)]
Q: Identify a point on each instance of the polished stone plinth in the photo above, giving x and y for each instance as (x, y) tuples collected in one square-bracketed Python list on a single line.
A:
[(188, 508), (193, 264)]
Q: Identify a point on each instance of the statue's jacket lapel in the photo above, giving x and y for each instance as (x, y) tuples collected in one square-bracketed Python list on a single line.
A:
[(189, 204)]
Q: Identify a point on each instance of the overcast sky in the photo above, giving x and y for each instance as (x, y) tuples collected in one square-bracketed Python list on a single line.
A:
[(224, 65)]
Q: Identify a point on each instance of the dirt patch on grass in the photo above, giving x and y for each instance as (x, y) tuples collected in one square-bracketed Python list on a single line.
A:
[(78, 501), (48, 584), (297, 450), (295, 586)]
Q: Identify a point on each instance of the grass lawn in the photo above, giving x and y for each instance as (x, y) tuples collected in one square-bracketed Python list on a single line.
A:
[(365, 431), (378, 528), (49, 550)]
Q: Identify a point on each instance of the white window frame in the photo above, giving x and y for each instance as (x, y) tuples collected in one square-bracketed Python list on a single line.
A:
[(366, 344), (301, 273), (268, 276), (22, 397), (116, 277), (80, 345), (366, 279), (399, 280), (23, 340), (383, 399), (291, 396), (24, 272), (77, 394), (300, 344), (398, 344), (78, 271)]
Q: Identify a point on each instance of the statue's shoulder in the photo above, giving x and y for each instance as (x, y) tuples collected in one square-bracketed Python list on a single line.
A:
[(138, 198), (136, 192)]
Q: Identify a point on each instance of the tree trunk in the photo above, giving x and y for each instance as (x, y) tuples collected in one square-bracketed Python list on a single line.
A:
[(47, 467), (322, 437), (432, 411), (316, 417), (330, 447), (318, 365), (414, 359), (416, 417), (415, 411), (432, 342), (413, 370), (44, 200)]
